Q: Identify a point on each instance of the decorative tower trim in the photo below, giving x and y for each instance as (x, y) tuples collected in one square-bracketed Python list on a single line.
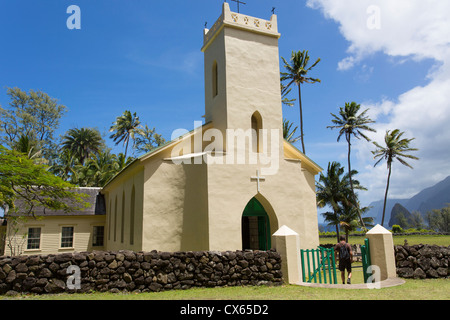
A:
[(240, 21)]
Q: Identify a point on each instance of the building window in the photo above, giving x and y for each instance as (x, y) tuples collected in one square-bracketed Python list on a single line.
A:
[(256, 132), (67, 237), (122, 223), (215, 79), (34, 238), (132, 216), (115, 219), (109, 219), (97, 239)]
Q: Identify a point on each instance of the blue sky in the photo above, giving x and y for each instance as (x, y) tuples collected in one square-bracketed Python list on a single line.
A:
[(145, 56)]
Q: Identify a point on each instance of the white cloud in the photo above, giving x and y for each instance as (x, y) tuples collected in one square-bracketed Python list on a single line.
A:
[(412, 30)]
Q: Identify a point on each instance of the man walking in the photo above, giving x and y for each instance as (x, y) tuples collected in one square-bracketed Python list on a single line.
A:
[(345, 258)]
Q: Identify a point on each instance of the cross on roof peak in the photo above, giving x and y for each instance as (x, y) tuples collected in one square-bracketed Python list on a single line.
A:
[(238, 2)]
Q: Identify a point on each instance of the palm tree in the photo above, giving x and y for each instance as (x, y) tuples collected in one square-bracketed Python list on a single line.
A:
[(29, 147), (297, 73), (333, 190), (81, 143), (396, 148), (289, 133), (348, 219), (284, 99), (63, 167), (350, 123), (124, 128)]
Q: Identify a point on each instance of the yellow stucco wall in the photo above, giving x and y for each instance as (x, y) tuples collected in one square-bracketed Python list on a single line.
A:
[(120, 234), (50, 240)]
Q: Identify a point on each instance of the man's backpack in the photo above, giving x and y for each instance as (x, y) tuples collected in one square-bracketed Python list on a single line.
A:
[(343, 252)]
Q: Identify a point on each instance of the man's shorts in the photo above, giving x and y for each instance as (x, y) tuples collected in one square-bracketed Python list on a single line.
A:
[(345, 264)]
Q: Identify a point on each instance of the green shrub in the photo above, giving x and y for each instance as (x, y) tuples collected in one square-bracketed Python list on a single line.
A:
[(397, 229)]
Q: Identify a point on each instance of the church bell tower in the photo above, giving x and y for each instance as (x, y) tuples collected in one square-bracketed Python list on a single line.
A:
[(242, 73)]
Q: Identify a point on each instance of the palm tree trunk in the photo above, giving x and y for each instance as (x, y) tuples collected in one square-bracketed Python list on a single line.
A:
[(385, 195), (126, 148), (301, 118), (351, 182)]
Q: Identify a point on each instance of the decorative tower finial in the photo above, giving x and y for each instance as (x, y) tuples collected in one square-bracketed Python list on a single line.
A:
[(238, 2)]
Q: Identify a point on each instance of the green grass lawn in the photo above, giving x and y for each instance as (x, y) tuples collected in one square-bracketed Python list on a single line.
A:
[(429, 289)]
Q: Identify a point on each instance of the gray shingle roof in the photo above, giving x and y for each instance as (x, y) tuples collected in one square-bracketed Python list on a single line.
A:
[(94, 198)]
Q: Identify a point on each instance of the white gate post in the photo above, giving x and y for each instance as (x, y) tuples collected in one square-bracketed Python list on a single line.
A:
[(287, 244), (382, 253)]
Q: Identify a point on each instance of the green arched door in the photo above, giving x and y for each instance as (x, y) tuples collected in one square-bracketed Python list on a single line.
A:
[(255, 227)]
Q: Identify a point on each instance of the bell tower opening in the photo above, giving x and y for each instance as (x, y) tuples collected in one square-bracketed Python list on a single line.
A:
[(215, 79), (256, 132)]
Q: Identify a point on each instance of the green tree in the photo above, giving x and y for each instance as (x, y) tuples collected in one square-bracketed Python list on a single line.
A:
[(416, 220), (348, 218), (350, 123), (297, 73), (63, 167), (30, 148), (125, 127), (439, 220), (34, 115), (30, 184), (81, 143), (147, 139), (395, 148), (333, 190)]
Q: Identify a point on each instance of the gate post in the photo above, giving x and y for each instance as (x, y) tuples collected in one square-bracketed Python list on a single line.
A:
[(287, 244), (381, 246)]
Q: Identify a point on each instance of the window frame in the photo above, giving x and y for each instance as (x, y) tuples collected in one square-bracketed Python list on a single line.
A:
[(34, 238), (64, 244), (96, 236)]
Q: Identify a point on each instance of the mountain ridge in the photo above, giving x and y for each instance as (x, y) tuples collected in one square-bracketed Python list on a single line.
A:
[(434, 197)]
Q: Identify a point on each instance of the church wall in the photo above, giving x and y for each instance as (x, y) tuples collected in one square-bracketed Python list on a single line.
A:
[(288, 196), (174, 205), (293, 197), (118, 207), (50, 236)]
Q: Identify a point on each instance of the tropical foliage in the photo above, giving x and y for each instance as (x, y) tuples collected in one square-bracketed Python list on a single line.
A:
[(289, 132), (439, 219), (333, 191), (79, 158), (125, 127), (351, 123), (21, 179), (395, 148), (297, 74)]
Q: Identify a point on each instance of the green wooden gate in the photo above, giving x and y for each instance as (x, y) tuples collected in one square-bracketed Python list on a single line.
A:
[(318, 265), (365, 256)]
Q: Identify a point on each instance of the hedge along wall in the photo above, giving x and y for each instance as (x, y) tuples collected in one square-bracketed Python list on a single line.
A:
[(422, 261), (137, 271)]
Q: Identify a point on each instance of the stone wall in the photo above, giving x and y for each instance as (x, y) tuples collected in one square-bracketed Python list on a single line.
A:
[(137, 271), (422, 261)]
